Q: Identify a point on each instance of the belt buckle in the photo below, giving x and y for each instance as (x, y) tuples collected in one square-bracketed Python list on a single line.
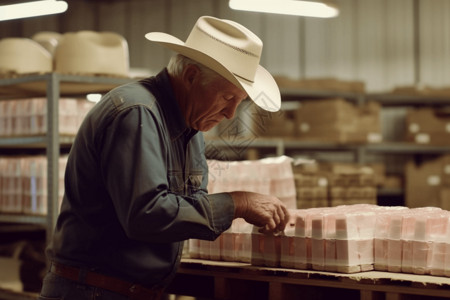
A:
[(136, 292)]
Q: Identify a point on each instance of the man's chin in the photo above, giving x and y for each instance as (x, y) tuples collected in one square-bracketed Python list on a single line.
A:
[(208, 126)]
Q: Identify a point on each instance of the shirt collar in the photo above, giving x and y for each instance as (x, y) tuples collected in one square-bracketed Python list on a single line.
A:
[(162, 89)]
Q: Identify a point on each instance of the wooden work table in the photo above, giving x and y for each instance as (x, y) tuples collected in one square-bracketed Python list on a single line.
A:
[(232, 280)]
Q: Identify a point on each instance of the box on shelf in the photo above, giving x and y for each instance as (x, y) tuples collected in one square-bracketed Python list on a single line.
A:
[(333, 184), (322, 84), (424, 182), (338, 120), (428, 126)]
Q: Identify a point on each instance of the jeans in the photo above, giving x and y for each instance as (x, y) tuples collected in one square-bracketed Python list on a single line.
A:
[(56, 287)]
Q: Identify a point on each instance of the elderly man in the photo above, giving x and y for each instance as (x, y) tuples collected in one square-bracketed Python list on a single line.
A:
[(136, 178)]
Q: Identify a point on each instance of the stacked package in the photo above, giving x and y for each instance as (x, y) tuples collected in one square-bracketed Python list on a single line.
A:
[(338, 120), (338, 239), (428, 126), (23, 184), (431, 178), (347, 239), (271, 176), (333, 184), (27, 117)]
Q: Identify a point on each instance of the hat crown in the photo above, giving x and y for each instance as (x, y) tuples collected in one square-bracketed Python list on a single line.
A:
[(231, 44)]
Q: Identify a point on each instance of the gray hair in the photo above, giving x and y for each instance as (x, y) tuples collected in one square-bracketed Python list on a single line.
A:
[(179, 62)]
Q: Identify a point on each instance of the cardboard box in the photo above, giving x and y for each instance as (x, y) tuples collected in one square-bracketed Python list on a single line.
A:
[(338, 120), (424, 182), (428, 126)]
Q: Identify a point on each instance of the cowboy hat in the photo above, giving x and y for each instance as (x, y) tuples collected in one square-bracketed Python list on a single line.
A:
[(23, 56), (232, 51), (91, 52), (48, 39)]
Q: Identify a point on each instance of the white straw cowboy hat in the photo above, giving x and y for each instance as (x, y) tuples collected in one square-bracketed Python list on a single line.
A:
[(24, 56), (232, 51), (91, 52), (48, 39)]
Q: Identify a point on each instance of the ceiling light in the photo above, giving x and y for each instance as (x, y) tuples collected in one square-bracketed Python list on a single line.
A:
[(31, 9), (287, 7)]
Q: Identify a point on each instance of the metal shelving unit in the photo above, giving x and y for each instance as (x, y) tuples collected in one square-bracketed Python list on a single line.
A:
[(294, 94), (408, 100), (52, 86)]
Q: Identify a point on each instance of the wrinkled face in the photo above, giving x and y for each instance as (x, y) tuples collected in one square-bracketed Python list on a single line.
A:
[(211, 103)]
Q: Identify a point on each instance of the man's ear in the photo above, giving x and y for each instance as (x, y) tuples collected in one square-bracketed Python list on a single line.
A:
[(190, 74)]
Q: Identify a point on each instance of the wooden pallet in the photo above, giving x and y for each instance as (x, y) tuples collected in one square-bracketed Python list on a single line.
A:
[(232, 280)]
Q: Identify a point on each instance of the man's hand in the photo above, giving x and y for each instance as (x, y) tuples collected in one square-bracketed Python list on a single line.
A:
[(261, 210)]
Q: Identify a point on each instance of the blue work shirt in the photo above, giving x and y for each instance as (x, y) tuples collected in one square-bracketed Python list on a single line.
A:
[(135, 187)]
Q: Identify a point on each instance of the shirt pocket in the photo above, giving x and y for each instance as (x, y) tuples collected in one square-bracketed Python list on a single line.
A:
[(195, 179), (176, 182)]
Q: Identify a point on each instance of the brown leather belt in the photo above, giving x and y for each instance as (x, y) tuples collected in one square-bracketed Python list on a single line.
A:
[(133, 291)]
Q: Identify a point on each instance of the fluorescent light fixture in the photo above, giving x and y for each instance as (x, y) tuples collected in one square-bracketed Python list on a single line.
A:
[(287, 7), (93, 97), (32, 9)]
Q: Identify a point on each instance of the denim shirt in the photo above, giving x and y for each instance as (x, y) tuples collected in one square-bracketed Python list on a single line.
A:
[(135, 187)]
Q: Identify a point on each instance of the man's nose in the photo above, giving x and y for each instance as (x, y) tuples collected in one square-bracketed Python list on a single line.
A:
[(230, 110)]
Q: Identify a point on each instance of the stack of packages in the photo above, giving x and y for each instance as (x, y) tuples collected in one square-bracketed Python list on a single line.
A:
[(338, 239), (271, 176), (432, 178), (333, 184), (428, 126), (360, 237), (338, 120), (23, 184), (413, 241), (27, 117)]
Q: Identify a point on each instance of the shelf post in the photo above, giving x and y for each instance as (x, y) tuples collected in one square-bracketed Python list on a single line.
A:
[(53, 94)]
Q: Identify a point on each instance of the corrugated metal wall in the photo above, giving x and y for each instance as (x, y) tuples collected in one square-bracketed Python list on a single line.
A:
[(385, 43)]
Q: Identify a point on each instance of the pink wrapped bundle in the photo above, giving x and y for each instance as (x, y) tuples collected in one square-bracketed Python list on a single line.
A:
[(382, 233), (354, 238), (9, 117), (12, 186), (319, 224), (38, 115), (272, 250), (257, 257), (287, 259), (4, 119), (236, 242), (407, 238), (23, 125), (394, 244), (205, 249), (302, 239), (266, 249), (68, 116), (243, 242), (83, 107), (440, 235), (428, 223), (194, 248), (282, 184), (2, 175), (35, 185)]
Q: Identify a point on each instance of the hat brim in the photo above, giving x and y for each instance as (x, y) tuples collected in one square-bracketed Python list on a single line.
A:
[(263, 90)]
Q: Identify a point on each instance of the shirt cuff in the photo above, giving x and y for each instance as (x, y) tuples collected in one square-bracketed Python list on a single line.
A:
[(222, 210)]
